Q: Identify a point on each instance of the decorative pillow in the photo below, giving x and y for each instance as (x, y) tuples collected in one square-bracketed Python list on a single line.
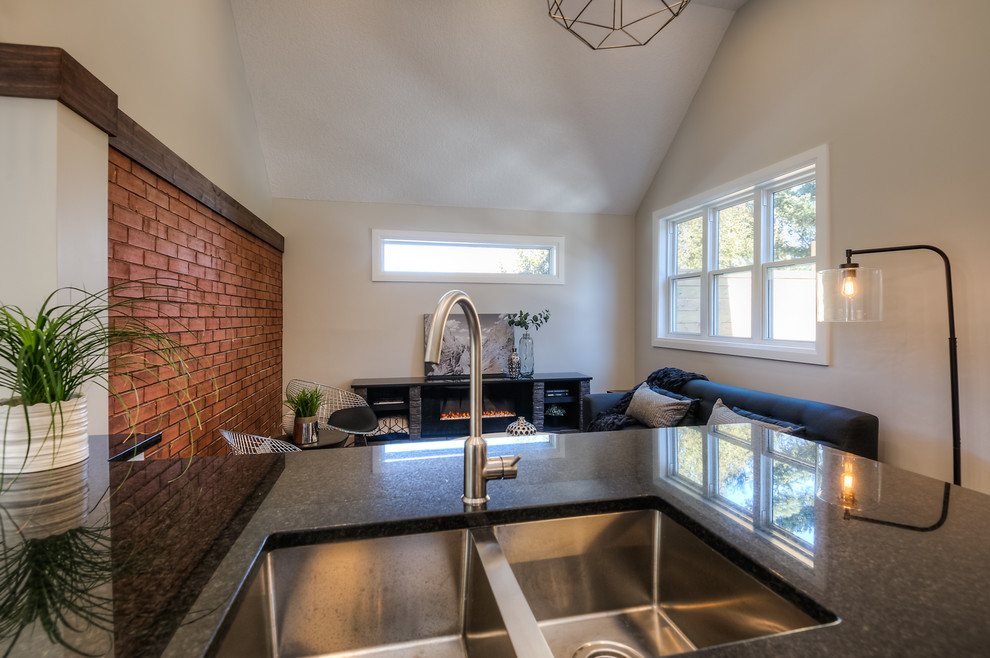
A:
[(655, 410), (757, 418), (723, 415), (691, 417)]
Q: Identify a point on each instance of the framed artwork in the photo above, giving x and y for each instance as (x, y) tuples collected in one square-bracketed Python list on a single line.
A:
[(497, 339)]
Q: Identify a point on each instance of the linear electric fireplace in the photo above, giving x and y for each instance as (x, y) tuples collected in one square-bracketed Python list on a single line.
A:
[(433, 407), (446, 410)]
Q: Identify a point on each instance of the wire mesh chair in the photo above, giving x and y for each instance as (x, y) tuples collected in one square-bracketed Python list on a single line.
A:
[(249, 444), (341, 410)]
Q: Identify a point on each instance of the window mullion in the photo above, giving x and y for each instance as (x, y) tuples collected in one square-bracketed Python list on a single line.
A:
[(668, 274), (709, 466), (708, 250), (792, 261), (730, 270), (762, 488), (760, 247)]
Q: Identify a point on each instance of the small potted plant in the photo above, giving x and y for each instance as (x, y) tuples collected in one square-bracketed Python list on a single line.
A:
[(524, 321), (305, 404), (554, 415)]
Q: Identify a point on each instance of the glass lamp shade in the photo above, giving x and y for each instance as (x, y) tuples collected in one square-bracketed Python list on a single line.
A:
[(850, 294), (846, 480)]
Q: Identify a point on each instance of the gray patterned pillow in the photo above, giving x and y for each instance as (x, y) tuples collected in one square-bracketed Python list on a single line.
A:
[(722, 415), (655, 410)]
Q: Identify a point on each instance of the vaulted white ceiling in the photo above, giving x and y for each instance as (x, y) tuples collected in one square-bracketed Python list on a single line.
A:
[(472, 103)]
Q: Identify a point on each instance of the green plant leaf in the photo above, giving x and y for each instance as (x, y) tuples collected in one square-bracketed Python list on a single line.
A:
[(306, 402), (105, 338)]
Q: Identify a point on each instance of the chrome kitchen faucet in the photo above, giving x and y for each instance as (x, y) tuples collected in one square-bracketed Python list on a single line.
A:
[(478, 468)]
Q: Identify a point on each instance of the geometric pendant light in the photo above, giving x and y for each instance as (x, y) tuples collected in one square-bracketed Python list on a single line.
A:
[(606, 24)]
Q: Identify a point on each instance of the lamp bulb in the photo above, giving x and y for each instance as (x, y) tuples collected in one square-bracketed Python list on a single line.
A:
[(849, 282)]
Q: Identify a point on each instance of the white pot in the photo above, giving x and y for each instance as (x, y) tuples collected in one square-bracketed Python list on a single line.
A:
[(59, 436), (49, 502)]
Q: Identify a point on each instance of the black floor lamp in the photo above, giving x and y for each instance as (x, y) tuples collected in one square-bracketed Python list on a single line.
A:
[(853, 294)]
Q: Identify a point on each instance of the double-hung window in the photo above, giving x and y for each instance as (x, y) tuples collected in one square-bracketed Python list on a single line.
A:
[(736, 266)]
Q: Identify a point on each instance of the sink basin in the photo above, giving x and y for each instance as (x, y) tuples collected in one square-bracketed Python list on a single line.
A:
[(638, 584), (420, 594), (631, 583)]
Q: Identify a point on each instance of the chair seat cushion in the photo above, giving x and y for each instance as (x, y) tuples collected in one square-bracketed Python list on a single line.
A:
[(354, 420)]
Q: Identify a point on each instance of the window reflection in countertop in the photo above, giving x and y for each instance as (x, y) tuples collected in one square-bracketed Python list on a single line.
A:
[(761, 479)]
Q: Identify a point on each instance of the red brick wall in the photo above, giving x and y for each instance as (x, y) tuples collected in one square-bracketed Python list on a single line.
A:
[(233, 326)]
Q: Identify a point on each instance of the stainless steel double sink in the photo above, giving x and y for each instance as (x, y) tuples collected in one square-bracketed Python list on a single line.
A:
[(620, 584)]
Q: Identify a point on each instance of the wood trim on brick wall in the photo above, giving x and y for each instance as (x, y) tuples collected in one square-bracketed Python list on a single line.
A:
[(51, 73), (144, 148)]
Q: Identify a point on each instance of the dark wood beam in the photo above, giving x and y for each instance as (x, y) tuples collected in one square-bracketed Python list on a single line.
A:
[(51, 73), (144, 148)]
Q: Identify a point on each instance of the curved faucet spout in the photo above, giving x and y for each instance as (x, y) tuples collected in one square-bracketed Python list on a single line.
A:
[(434, 343), (478, 469)]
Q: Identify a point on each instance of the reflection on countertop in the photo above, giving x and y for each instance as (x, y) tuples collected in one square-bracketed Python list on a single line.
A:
[(112, 569), (168, 542)]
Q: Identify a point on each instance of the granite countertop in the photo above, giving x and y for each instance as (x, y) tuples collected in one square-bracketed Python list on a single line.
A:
[(166, 543)]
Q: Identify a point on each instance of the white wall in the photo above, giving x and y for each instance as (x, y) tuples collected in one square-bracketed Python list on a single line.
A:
[(899, 93), (339, 325), (28, 257), (176, 68), (53, 210)]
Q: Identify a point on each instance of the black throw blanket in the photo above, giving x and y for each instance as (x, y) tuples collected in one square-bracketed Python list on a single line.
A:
[(615, 418)]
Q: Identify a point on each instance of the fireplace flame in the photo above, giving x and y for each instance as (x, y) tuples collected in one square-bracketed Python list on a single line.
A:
[(462, 415)]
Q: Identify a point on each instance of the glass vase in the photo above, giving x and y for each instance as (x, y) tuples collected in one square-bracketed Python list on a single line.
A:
[(525, 355)]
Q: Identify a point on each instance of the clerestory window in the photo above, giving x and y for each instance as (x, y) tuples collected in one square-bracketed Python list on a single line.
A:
[(424, 256)]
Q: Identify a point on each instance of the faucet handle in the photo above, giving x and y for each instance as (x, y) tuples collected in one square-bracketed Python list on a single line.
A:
[(503, 468)]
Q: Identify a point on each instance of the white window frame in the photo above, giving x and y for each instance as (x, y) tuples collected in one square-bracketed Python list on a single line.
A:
[(759, 186), (379, 237)]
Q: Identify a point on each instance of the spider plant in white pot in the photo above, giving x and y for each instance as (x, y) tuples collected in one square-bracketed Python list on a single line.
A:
[(45, 359)]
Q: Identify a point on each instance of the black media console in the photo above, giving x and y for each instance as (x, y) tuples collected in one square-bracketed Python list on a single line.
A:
[(429, 407)]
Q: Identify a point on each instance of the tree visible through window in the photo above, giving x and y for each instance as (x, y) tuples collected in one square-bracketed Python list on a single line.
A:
[(530, 261), (737, 268), (794, 222), (739, 457)]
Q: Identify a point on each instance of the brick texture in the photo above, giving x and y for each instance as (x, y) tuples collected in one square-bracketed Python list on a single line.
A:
[(230, 320), (171, 523)]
